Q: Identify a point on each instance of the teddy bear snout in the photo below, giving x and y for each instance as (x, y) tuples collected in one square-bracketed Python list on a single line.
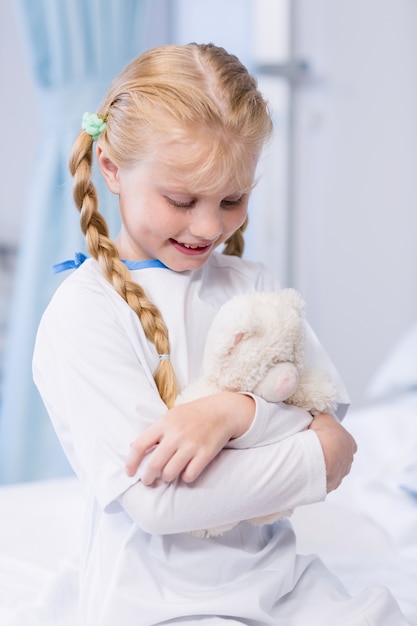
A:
[(280, 382)]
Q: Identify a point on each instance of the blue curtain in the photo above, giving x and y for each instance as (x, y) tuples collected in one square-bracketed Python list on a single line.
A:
[(76, 47)]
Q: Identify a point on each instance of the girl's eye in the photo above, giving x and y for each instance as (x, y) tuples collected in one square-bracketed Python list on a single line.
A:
[(234, 202), (181, 205), (227, 203)]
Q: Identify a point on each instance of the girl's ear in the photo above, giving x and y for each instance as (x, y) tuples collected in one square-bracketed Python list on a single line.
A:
[(109, 171)]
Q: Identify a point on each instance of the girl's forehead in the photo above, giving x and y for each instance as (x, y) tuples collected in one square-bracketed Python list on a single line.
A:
[(205, 167)]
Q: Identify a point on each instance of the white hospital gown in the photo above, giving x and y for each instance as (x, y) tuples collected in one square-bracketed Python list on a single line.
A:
[(93, 366)]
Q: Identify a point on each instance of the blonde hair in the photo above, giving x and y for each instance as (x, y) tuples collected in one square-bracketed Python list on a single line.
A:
[(167, 95)]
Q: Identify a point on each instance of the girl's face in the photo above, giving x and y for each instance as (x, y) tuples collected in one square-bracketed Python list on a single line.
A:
[(164, 219)]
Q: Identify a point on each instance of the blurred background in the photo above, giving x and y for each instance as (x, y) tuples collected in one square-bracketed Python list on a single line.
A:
[(334, 214)]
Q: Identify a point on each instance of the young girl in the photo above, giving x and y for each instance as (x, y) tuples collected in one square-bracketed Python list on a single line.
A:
[(179, 135)]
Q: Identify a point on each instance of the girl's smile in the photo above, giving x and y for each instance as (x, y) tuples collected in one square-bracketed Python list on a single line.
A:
[(191, 249), (162, 218)]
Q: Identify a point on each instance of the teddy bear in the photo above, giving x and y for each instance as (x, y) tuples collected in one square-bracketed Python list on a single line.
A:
[(256, 344)]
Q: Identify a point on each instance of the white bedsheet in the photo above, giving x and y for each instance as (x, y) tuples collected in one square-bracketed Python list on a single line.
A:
[(366, 532), (40, 530), (370, 523)]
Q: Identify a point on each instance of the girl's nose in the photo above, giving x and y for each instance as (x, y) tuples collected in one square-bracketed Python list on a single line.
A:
[(206, 223)]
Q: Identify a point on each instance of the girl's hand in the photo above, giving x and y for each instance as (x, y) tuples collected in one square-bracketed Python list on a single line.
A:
[(189, 436), (338, 446)]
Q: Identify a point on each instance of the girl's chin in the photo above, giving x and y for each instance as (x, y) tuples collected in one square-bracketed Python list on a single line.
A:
[(187, 264)]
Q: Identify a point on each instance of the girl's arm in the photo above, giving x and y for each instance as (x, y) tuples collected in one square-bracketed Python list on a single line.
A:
[(242, 484), (181, 488), (185, 440)]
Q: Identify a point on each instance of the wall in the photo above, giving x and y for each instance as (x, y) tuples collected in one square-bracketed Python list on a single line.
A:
[(355, 256)]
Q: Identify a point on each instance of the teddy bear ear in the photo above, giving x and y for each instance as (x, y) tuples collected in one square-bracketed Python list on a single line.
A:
[(228, 348), (221, 350), (293, 298), (237, 340)]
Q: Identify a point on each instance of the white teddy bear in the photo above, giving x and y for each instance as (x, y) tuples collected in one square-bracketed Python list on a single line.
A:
[(255, 344)]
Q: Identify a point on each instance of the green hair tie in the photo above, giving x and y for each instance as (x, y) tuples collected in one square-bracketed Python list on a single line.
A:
[(93, 125)]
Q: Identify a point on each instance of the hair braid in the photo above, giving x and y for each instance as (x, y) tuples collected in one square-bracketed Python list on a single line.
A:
[(235, 245), (101, 248)]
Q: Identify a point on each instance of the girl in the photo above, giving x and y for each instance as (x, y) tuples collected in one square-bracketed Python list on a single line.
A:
[(179, 135)]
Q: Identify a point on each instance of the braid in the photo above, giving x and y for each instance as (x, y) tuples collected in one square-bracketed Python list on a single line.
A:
[(101, 248), (235, 245)]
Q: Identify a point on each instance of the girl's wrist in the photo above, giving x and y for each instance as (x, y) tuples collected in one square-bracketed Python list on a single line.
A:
[(338, 446), (239, 410)]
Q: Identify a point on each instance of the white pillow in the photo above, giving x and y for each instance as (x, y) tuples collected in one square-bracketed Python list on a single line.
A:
[(398, 373)]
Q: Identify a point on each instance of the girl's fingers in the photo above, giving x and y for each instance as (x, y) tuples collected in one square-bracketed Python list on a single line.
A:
[(139, 448), (175, 465), (196, 465), (168, 461), (156, 463)]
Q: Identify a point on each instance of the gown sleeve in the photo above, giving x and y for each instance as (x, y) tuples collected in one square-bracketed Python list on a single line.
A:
[(238, 484), (95, 383)]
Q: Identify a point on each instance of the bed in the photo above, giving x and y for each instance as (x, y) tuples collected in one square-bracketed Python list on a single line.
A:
[(366, 531)]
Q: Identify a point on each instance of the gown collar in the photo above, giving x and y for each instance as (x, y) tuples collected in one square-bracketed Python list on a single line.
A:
[(79, 259)]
